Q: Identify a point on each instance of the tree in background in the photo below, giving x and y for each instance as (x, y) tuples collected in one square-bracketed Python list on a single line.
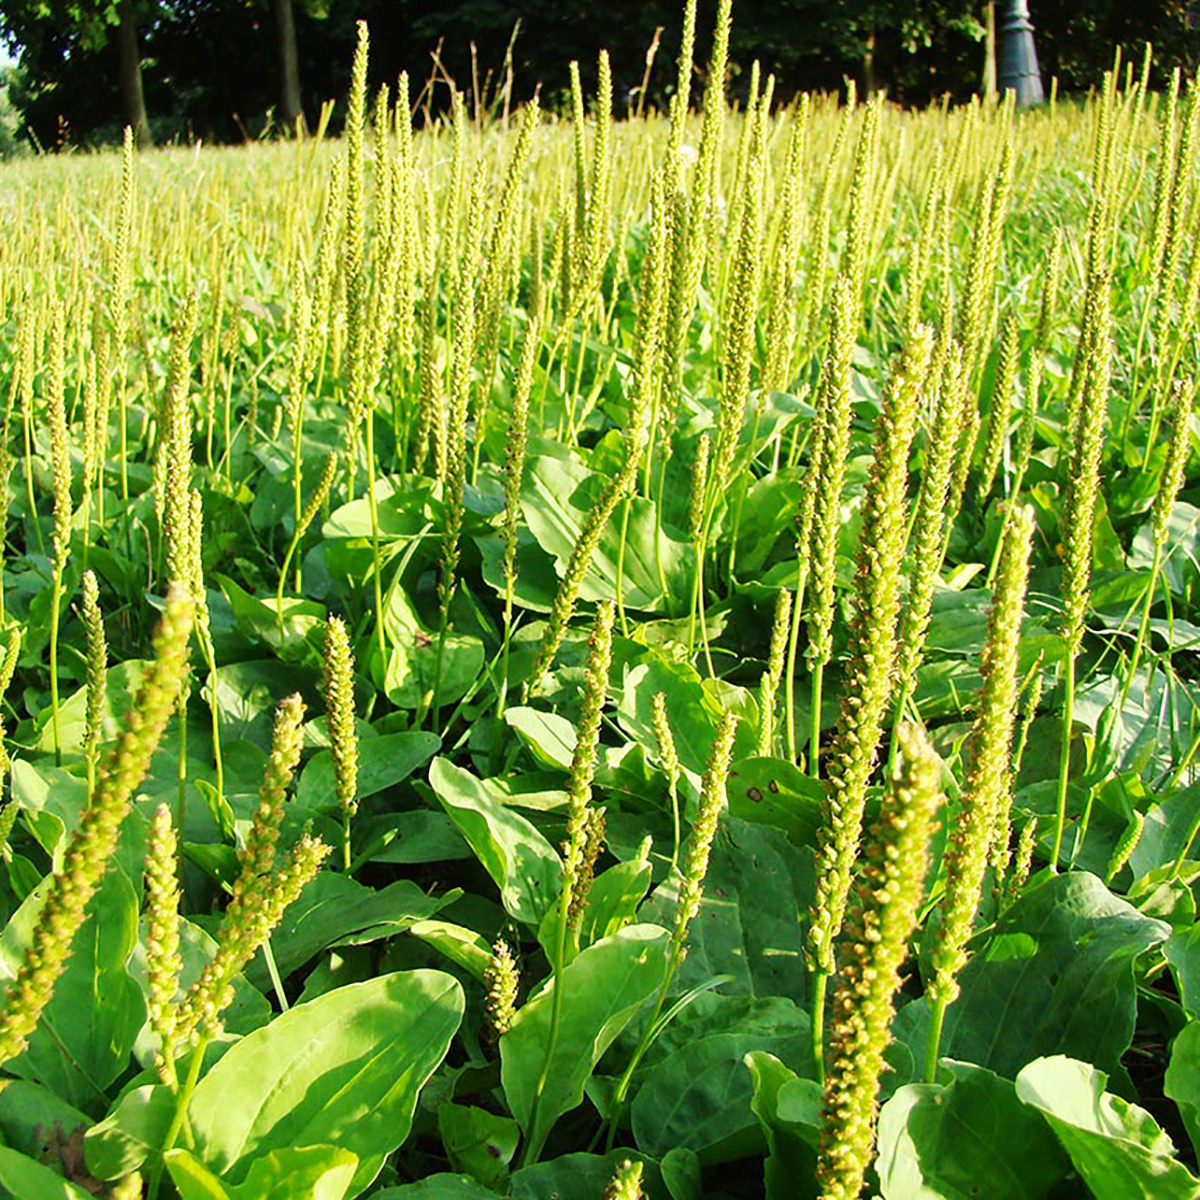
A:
[(230, 69), (66, 31)]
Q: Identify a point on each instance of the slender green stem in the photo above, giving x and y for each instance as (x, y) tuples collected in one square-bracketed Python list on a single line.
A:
[(214, 709), (373, 510), (1185, 848), (820, 987), (533, 1147), (181, 787), (793, 646), (56, 590), (620, 588), (182, 1100), (1064, 758), (937, 1018), (273, 972)]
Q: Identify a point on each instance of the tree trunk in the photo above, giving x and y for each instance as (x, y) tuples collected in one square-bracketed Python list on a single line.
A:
[(291, 111), (132, 99), (989, 61)]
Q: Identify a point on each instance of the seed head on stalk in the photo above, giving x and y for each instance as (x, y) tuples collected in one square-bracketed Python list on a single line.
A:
[(875, 946), (931, 518), (97, 663), (583, 762), (769, 685), (60, 452), (163, 960), (704, 829), (985, 800), (91, 847), (996, 429), (626, 1183), (501, 978), (343, 737), (873, 634), (261, 892)]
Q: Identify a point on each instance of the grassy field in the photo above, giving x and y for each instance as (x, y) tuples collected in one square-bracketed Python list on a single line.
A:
[(561, 655)]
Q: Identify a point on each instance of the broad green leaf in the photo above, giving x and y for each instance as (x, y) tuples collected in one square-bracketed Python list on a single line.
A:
[(1116, 1147), (51, 799), (335, 909), (699, 1097), (344, 1069), (87, 1031), (1056, 976), (769, 791), (693, 709), (681, 1174), (419, 836), (293, 631), (614, 899), (382, 762), (1182, 1083), (135, 1128), (602, 990), (443, 1186), (23, 1178), (477, 1142), (400, 513), (462, 946), (581, 1175), (757, 889), (1183, 953), (523, 864), (954, 1141), (537, 581), (300, 1173), (121, 685), (246, 695), (556, 497), (28, 1110), (412, 663), (549, 736), (789, 1109)]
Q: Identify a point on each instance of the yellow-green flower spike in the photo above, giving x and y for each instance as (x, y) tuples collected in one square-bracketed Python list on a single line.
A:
[(257, 856), (996, 429), (593, 844), (708, 814), (249, 919), (869, 680), (501, 978), (339, 706), (97, 665), (776, 656), (163, 960), (878, 928), (1125, 846), (626, 1184), (985, 800), (90, 850), (587, 746), (1022, 860), (60, 451)]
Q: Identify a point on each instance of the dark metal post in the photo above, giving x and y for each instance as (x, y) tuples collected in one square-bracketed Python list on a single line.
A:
[(1018, 58)]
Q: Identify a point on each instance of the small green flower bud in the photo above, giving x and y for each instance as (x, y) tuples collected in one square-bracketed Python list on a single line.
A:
[(501, 978)]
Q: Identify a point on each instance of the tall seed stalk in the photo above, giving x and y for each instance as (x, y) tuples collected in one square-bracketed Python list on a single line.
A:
[(876, 944), (985, 798), (868, 686)]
